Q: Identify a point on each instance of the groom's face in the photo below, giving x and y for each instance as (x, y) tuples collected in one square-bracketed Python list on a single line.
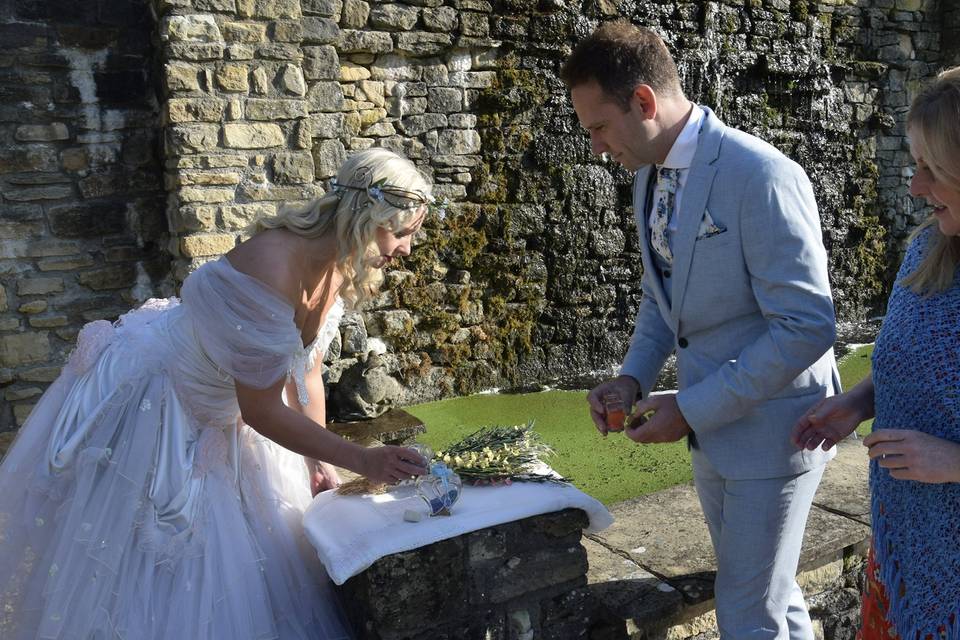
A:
[(625, 135)]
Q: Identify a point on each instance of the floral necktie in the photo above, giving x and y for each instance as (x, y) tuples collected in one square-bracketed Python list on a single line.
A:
[(667, 181)]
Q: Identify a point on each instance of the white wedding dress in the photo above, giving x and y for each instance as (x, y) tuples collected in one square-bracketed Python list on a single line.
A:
[(135, 504)]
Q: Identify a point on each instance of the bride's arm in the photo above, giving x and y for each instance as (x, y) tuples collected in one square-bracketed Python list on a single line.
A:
[(323, 475), (265, 412)]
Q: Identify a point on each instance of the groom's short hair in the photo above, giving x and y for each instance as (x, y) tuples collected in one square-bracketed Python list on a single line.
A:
[(619, 56)]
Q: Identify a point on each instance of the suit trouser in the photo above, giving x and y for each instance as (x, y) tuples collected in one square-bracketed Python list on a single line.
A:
[(757, 528)]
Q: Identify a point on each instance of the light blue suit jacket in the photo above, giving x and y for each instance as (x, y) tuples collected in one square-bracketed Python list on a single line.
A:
[(752, 318)]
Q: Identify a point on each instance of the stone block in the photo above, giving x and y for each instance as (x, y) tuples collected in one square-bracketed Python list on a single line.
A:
[(39, 286), (394, 17), (18, 349), (252, 136), (354, 14), (444, 99), (474, 25), (24, 393), (417, 124), (371, 116), (422, 43), (233, 77), (327, 125), (208, 178), (239, 216), (15, 159), (327, 158), (270, 9), (32, 307), (195, 110), (42, 132), (350, 72), (65, 264), (3, 298), (441, 19), (458, 142), (325, 96), (181, 77), (329, 8), (240, 52), (49, 321), (32, 194), (288, 31), (291, 80), (39, 374), (244, 32), (321, 63), (354, 41), (473, 79), (260, 84), (191, 28), (293, 168), (207, 195), (280, 51), (193, 138), (271, 110), (373, 91), (117, 276), (196, 51), (210, 244), (320, 31), (21, 411)]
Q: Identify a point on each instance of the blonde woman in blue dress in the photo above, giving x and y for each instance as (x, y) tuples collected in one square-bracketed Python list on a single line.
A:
[(157, 489)]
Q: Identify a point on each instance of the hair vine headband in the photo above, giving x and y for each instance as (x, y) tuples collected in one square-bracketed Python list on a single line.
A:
[(396, 197)]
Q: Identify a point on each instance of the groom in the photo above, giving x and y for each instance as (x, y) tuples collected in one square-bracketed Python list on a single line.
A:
[(735, 282)]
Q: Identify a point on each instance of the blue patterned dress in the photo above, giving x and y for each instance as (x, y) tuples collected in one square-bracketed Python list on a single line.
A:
[(916, 525)]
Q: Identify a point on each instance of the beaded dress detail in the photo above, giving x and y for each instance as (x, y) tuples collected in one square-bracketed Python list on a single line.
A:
[(136, 504)]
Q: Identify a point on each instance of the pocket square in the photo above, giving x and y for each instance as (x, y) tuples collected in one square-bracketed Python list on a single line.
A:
[(708, 228)]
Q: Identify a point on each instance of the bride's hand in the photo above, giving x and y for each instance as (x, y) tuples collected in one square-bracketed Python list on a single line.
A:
[(323, 476), (390, 464)]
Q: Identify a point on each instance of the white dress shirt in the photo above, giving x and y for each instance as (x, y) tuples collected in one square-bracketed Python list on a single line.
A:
[(680, 157)]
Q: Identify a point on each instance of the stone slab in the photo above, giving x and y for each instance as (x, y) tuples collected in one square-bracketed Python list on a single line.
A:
[(396, 426), (626, 588)]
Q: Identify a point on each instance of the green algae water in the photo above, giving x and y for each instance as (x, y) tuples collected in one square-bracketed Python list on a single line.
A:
[(611, 469)]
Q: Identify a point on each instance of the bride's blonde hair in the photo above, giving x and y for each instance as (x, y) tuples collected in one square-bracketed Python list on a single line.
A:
[(933, 124), (353, 211)]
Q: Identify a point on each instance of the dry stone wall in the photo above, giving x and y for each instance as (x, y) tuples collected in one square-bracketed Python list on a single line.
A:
[(81, 215), (197, 116)]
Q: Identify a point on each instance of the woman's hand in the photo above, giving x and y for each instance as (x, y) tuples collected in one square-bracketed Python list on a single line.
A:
[(390, 464), (828, 422), (323, 476), (914, 455)]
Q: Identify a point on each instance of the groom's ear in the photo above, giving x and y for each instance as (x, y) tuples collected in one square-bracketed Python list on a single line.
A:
[(643, 100)]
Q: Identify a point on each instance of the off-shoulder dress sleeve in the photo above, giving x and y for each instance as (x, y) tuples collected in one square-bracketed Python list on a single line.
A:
[(245, 328)]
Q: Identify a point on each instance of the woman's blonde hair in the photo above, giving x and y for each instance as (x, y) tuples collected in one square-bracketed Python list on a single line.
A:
[(934, 128), (353, 209)]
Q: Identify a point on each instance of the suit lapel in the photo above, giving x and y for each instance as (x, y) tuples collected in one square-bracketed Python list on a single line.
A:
[(696, 192)]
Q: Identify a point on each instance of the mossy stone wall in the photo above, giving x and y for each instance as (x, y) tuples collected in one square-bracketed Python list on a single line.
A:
[(533, 276)]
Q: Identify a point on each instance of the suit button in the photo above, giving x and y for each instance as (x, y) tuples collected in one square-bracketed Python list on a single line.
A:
[(683, 343), (666, 273)]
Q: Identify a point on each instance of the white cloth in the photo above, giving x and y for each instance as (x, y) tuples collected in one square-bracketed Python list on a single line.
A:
[(136, 504), (370, 527), (679, 157)]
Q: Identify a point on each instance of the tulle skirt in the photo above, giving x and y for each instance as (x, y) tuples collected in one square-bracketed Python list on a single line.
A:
[(120, 517)]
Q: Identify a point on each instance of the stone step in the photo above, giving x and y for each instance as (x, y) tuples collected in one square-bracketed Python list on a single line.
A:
[(654, 567)]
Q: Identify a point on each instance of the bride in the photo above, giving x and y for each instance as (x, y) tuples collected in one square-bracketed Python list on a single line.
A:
[(154, 491)]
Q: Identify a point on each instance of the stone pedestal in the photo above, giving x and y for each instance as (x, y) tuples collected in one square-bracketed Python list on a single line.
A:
[(520, 580)]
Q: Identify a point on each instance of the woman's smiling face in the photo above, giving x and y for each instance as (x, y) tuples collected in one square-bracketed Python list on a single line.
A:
[(944, 198)]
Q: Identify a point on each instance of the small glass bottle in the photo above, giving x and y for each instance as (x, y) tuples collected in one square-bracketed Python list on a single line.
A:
[(614, 411)]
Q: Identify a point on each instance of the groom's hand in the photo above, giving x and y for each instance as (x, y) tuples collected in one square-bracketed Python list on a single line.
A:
[(666, 424)]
